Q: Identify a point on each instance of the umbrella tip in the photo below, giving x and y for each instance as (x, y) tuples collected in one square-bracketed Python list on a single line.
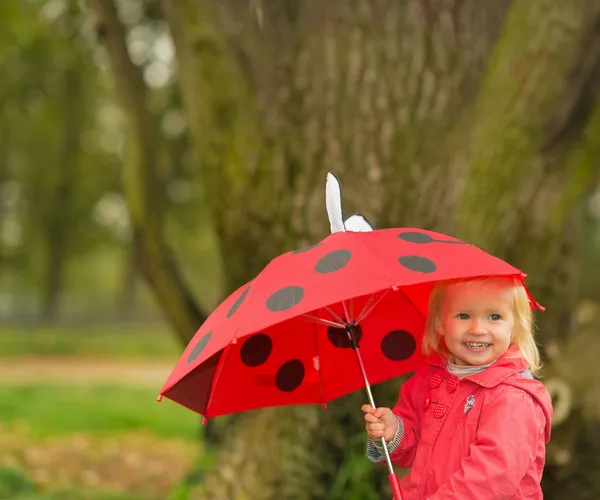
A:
[(324, 406), (159, 398), (204, 420)]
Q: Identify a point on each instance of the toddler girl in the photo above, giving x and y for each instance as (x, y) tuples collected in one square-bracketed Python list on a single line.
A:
[(474, 423)]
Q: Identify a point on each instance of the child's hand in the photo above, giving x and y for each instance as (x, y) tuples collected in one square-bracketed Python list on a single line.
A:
[(381, 422)]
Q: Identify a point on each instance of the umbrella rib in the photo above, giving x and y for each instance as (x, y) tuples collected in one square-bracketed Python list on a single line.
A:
[(316, 319), (219, 369), (335, 315), (365, 311), (365, 307), (348, 317)]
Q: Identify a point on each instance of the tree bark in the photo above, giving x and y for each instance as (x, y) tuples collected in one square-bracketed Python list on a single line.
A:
[(275, 104), (543, 173), (244, 200), (155, 259)]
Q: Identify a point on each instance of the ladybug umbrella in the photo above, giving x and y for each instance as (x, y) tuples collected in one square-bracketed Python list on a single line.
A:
[(316, 320)]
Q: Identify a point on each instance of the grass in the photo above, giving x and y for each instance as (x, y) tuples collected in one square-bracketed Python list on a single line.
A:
[(100, 437), (93, 443), (16, 485), (156, 342), (50, 410), (88, 466), (75, 495)]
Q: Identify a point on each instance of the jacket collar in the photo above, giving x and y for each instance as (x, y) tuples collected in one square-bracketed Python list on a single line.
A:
[(510, 363)]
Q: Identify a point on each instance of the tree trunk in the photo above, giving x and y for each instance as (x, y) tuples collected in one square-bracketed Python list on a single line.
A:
[(59, 210), (4, 177), (155, 259), (297, 95), (127, 303), (540, 175), (382, 94)]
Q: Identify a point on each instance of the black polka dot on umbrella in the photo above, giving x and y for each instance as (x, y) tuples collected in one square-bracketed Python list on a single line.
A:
[(333, 261), (285, 299), (238, 302), (417, 263), (422, 238), (415, 237), (256, 349), (290, 375), (199, 347), (398, 345), (339, 338), (306, 249)]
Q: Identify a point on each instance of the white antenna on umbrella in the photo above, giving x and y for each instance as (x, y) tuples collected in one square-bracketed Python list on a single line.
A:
[(333, 202)]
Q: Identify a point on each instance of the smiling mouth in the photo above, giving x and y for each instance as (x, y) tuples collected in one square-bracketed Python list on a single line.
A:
[(477, 345)]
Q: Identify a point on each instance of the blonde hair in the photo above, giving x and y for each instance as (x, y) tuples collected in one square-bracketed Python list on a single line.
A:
[(523, 332)]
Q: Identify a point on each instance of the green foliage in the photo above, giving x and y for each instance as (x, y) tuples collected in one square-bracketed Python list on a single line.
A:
[(39, 58), (13, 483), (78, 495), (354, 479), (59, 107), (185, 488)]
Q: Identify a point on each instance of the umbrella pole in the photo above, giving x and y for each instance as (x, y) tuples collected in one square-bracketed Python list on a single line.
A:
[(393, 478)]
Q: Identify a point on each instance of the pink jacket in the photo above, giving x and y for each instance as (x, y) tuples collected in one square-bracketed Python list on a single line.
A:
[(481, 437)]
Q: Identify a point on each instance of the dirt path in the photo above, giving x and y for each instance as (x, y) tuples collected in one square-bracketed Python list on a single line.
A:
[(84, 371)]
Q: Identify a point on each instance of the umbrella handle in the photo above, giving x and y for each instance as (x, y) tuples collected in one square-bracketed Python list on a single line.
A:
[(395, 486), (392, 475)]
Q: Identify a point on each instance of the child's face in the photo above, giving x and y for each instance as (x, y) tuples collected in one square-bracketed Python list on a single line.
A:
[(477, 321)]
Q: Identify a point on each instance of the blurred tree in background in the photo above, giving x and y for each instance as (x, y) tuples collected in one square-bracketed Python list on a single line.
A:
[(186, 143)]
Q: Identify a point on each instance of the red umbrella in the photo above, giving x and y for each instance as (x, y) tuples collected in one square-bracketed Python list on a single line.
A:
[(290, 335)]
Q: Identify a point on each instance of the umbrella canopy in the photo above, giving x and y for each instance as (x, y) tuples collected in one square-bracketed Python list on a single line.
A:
[(280, 339)]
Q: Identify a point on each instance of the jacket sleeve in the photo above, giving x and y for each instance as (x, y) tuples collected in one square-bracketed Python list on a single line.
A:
[(403, 447), (510, 430)]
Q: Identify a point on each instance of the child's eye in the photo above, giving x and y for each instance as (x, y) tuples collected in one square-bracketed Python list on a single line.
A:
[(462, 316), (495, 317)]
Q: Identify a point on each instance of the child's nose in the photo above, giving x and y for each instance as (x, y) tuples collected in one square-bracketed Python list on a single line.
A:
[(477, 326)]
